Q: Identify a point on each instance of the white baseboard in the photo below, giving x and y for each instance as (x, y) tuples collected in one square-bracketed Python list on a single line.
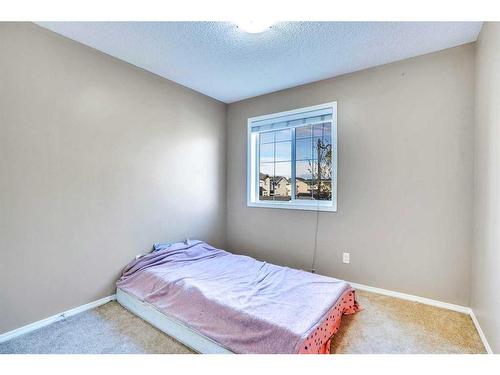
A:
[(481, 333), (54, 318), (410, 297), (432, 302)]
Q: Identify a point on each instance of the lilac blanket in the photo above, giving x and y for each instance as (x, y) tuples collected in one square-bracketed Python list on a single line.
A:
[(245, 305)]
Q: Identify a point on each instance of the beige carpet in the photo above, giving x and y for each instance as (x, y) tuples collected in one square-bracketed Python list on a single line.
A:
[(386, 325), (391, 325), (108, 329)]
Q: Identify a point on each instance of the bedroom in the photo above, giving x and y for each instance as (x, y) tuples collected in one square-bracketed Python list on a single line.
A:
[(205, 186)]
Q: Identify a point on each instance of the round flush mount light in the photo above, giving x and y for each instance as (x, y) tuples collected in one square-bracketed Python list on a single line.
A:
[(254, 27)]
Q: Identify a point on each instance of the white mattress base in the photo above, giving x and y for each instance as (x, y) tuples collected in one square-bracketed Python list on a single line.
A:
[(170, 326)]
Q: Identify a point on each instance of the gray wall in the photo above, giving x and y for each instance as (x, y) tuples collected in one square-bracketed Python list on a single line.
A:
[(485, 299), (404, 179), (98, 159)]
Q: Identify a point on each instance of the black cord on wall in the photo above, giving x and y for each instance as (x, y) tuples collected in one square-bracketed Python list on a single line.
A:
[(315, 250)]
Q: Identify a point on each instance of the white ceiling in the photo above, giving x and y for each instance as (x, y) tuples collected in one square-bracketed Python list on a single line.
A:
[(222, 61)]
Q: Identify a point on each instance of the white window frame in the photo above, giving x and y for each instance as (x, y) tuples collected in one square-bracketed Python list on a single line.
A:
[(253, 165)]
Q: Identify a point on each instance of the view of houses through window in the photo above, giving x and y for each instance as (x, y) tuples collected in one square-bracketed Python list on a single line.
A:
[(296, 163)]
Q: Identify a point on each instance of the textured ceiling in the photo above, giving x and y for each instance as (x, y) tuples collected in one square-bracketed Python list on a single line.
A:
[(221, 61)]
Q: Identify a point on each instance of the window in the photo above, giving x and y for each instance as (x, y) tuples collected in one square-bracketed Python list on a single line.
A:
[(292, 159)]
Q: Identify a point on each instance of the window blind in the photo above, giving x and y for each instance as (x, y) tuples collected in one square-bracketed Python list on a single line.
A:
[(292, 121)]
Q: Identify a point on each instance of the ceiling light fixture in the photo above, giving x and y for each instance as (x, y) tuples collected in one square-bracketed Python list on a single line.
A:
[(254, 27)]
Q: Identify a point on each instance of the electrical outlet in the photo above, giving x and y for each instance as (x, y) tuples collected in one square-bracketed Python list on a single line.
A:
[(346, 258)]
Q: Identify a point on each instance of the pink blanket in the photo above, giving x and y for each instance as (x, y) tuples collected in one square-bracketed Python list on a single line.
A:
[(247, 306)]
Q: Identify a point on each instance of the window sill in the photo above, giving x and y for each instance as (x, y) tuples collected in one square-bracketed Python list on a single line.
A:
[(296, 205)]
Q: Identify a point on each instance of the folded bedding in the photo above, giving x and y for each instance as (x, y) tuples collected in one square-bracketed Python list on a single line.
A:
[(245, 305)]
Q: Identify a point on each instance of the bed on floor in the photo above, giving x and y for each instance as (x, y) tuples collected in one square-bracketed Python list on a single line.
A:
[(217, 302)]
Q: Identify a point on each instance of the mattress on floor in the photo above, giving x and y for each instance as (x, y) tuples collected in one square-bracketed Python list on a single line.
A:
[(245, 305)]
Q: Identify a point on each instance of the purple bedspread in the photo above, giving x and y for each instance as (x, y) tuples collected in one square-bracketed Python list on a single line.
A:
[(246, 305)]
